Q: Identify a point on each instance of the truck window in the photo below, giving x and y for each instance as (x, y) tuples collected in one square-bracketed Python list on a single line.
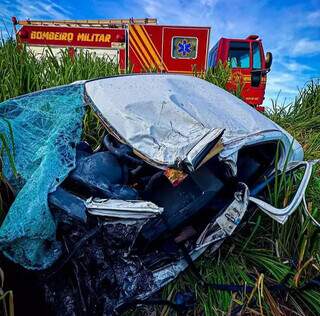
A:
[(239, 55), (184, 47), (213, 56), (256, 55)]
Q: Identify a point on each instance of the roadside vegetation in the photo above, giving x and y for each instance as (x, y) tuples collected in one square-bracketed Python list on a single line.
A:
[(262, 253), (23, 72)]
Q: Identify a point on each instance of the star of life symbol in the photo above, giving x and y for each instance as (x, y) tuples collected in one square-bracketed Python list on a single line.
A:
[(184, 48)]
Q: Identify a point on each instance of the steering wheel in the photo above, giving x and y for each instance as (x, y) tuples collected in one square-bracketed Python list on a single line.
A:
[(122, 151)]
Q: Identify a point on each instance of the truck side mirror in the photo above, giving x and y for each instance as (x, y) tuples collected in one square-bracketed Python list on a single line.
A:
[(268, 60)]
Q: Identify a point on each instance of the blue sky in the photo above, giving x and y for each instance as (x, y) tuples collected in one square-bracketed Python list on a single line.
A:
[(289, 29)]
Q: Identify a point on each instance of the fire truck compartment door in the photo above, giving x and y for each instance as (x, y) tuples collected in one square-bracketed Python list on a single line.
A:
[(111, 54), (185, 49), (38, 51)]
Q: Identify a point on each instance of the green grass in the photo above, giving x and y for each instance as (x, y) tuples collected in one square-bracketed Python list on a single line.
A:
[(93, 130), (220, 76), (261, 252), (6, 298), (22, 72)]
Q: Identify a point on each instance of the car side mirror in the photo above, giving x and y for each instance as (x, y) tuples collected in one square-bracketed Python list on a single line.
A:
[(268, 60)]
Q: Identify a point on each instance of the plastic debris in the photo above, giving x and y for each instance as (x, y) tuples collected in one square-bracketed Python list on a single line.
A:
[(70, 205), (129, 209)]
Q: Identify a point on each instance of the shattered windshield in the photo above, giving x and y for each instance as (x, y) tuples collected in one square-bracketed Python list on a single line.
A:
[(46, 126)]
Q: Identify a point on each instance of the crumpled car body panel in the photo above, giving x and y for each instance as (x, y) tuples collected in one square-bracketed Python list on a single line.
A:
[(164, 117)]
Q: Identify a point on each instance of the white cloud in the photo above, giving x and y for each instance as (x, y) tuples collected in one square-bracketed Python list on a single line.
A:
[(281, 86), (29, 9), (313, 18), (306, 46), (297, 67), (177, 11), (33, 9), (281, 78), (4, 9), (209, 3)]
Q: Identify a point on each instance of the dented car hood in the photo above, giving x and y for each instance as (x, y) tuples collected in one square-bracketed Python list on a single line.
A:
[(167, 119)]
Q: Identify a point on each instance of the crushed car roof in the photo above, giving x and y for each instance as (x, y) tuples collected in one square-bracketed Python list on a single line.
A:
[(170, 118)]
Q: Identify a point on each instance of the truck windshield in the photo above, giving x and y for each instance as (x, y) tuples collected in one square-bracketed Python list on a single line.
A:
[(239, 55)]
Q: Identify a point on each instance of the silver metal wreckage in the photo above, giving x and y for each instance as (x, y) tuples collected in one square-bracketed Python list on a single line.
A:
[(179, 165)]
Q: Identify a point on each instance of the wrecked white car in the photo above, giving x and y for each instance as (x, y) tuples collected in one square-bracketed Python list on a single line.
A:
[(179, 165)]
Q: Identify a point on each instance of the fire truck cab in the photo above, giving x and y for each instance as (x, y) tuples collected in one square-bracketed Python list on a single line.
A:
[(249, 66)]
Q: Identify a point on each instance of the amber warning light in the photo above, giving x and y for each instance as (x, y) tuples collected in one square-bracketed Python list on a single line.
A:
[(252, 37)]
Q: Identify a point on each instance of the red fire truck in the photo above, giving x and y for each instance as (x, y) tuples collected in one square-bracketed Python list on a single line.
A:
[(144, 45)]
